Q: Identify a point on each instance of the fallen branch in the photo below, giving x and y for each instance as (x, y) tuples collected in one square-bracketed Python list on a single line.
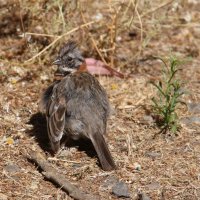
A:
[(50, 173)]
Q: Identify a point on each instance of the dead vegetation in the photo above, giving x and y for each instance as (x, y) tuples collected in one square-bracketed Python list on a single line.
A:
[(126, 35)]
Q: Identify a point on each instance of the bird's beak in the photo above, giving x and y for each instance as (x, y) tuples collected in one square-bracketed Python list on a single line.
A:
[(57, 62)]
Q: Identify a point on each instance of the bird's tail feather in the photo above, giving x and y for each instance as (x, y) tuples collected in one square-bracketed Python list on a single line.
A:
[(103, 152)]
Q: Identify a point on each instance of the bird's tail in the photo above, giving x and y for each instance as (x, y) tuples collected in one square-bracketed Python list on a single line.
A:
[(103, 152)]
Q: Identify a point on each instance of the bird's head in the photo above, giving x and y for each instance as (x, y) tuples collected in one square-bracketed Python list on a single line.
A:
[(69, 59)]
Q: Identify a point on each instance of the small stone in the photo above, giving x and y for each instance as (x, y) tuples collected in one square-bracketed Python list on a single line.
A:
[(194, 108), (109, 182), (186, 18), (3, 196), (147, 119), (189, 121), (12, 168), (120, 189), (153, 186), (153, 155), (98, 16), (39, 29), (137, 166)]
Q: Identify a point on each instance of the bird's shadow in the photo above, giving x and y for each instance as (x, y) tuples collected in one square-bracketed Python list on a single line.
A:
[(39, 131)]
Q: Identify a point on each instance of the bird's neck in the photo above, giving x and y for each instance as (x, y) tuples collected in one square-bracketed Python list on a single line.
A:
[(82, 67)]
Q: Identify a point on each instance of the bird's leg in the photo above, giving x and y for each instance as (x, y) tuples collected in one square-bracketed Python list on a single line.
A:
[(64, 142), (62, 146)]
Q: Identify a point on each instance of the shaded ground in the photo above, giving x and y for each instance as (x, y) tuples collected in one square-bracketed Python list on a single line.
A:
[(170, 165)]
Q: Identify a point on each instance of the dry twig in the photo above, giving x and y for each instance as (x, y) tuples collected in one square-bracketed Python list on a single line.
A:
[(53, 175), (94, 42), (141, 27), (60, 37), (157, 8)]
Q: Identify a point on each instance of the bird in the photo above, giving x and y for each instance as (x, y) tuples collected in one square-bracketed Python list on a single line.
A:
[(76, 105)]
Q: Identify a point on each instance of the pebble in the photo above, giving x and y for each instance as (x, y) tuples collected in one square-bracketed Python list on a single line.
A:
[(109, 183), (189, 121), (12, 168), (194, 108), (120, 189), (147, 119), (153, 186)]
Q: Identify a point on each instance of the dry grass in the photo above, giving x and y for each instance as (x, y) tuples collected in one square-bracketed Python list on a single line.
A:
[(125, 34)]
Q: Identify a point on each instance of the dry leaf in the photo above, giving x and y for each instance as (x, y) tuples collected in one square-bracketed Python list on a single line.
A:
[(97, 67)]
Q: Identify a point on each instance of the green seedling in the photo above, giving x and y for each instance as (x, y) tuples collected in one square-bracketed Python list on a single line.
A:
[(168, 97)]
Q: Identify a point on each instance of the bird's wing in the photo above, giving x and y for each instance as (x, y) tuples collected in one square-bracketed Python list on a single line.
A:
[(45, 97), (55, 114)]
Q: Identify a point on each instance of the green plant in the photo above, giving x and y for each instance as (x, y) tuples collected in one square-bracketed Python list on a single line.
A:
[(169, 93)]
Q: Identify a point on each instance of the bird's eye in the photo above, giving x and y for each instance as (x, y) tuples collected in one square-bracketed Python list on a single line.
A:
[(69, 59)]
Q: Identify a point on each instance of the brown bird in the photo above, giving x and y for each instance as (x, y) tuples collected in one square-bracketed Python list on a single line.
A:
[(77, 106)]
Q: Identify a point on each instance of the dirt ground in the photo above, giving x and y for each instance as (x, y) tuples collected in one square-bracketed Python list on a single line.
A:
[(126, 35)]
